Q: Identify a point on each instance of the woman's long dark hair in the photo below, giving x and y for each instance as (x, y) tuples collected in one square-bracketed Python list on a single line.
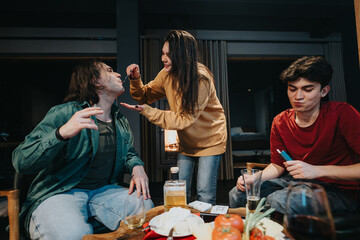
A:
[(83, 82), (184, 69)]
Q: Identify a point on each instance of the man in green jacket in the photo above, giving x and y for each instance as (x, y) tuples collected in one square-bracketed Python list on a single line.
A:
[(79, 153)]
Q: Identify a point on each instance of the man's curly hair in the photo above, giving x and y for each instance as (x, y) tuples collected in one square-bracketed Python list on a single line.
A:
[(314, 69)]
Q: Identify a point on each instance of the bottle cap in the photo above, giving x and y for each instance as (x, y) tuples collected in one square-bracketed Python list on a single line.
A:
[(174, 169)]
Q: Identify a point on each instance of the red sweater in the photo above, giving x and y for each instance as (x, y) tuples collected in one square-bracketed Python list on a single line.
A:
[(333, 139)]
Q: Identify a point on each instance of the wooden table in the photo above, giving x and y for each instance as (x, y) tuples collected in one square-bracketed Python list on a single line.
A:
[(124, 230)]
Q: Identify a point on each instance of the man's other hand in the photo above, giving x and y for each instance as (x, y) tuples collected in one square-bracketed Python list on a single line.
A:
[(141, 181)]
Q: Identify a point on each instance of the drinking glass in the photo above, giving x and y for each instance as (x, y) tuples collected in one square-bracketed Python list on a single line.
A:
[(252, 183), (134, 211), (307, 215)]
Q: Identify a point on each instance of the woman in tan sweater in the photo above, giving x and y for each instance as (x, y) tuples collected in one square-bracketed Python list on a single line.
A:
[(195, 111)]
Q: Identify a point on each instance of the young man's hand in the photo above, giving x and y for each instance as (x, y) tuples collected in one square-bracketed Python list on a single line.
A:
[(141, 181), (79, 121), (241, 184), (300, 169)]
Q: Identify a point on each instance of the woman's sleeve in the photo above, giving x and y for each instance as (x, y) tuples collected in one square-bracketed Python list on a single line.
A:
[(148, 93), (175, 120)]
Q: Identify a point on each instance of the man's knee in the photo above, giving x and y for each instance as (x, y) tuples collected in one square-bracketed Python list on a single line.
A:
[(40, 229), (237, 198), (148, 204), (277, 200), (74, 233)]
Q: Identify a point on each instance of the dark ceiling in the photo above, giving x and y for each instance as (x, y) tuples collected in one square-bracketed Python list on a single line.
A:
[(318, 17)]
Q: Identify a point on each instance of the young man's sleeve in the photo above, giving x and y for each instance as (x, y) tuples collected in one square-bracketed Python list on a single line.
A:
[(276, 143), (39, 147), (349, 124)]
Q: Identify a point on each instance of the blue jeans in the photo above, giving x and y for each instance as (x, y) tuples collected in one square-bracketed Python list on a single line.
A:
[(206, 176), (275, 191), (65, 215)]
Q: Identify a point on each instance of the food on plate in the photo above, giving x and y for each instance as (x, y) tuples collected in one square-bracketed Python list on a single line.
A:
[(183, 221), (181, 227), (226, 233), (168, 219), (203, 231), (267, 237), (252, 221), (233, 220), (270, 228), (255, 227), (256, 234), (185, 226)]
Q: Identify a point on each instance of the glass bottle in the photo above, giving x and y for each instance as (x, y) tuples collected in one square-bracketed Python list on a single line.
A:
[(174, 191)]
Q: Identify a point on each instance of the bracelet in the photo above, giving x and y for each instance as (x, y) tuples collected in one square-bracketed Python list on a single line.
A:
[(58, 136)]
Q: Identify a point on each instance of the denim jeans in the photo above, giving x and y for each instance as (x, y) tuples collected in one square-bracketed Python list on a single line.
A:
[(64, 216), (206, 176), (275, 191)]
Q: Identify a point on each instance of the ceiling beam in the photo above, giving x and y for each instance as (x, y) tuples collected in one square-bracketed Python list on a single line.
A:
[(250, 8)]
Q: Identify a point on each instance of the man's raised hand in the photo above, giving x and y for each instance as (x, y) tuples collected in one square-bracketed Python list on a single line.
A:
[(79, 121)]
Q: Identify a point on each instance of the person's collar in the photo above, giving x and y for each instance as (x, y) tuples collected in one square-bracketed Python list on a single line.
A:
[(84, 104), (114, 108)]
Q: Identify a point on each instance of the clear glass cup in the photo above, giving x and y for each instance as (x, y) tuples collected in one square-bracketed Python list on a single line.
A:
[(134, 211), (174, 194), (252, 183), (307, 215)]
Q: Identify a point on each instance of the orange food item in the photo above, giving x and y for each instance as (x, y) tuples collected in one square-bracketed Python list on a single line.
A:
[(256, 234), (266, 237), (226, 233), (233, 220)]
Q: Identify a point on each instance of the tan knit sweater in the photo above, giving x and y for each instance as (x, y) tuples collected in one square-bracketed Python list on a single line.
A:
[(201, 134)]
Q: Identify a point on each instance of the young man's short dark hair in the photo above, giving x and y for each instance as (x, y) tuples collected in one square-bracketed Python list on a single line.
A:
[(314, 69)]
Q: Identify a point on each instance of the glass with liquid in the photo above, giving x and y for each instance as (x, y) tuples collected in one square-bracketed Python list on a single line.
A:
[(134, 211), (174, 191), (307, 214), (252, 202), (252, 182)]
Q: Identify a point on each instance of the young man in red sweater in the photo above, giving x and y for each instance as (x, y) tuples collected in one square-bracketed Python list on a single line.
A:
[(322, 138)]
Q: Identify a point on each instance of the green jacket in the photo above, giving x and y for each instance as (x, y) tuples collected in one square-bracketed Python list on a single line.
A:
[(62, 165)]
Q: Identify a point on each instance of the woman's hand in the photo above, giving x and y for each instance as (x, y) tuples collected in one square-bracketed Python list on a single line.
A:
[(138, 108), (133, 71)]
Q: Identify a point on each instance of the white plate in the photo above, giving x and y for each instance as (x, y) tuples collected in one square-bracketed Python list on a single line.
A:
[(154, 223)]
